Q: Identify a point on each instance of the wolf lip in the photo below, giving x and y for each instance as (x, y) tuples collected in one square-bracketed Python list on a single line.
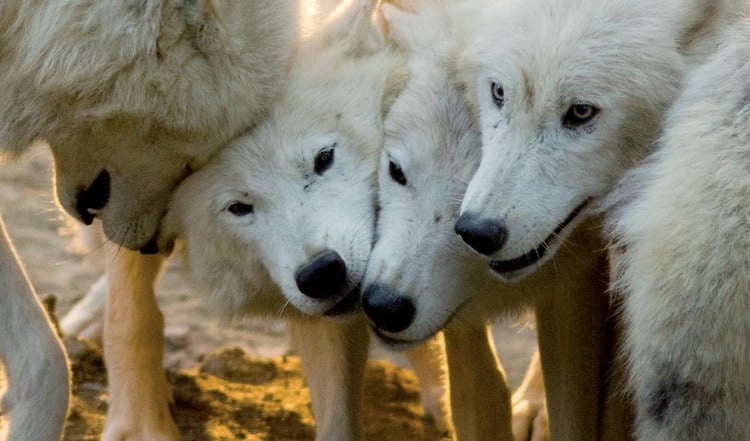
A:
[(347, 305), (535, 255), (395, 343)]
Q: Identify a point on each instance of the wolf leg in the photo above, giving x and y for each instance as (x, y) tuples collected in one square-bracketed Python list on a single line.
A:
[(35, 403), (530, 421), (480, 397), (333, 356), (575, 336), (139, 395), (429, 363)]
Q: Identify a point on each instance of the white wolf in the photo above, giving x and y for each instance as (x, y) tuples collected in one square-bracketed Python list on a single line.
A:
[(684, 271), (571, 94), (280, 223), (420, 275), (566, 106), (129, 96)]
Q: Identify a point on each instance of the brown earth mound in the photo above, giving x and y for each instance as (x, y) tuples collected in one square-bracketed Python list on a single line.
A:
[(231, 396)]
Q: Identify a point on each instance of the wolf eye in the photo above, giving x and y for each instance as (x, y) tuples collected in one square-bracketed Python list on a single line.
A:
[(579, 114), (239, 209), (396, 173), (324, 159), (498, 95)]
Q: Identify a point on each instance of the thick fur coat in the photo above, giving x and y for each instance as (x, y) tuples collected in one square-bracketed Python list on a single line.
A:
[(685, 255)]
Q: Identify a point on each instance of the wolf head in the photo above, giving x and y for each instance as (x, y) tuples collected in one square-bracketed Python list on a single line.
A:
[(420, 275), (290, 206), (419, 272), (131, 96), (570, 94)]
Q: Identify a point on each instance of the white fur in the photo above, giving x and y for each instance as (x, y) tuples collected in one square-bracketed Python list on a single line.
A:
[(628, 59), (35, 401), (140, 88), (332, 98), (144, 89), (624, 57), (432, 136), (339, 88), (684, 271)]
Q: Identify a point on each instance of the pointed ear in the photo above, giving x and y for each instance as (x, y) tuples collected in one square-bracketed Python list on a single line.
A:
[(696, 19), (400, 25), (395, 84), (353, 23)]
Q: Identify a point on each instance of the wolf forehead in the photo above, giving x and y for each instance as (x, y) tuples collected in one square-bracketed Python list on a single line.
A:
[(567, 45)]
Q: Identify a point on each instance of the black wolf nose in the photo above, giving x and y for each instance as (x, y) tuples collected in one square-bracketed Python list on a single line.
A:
[(324, 276), (95, 197), (386, 309), (151, 247), (486, 236)]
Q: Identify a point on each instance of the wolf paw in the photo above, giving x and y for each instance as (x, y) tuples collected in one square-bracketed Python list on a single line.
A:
[(142, 413), (530, 422), (141, 427), (125, 433)]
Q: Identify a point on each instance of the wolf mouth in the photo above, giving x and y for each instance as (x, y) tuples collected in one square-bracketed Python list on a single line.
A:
[(349, 304), (396, 343), (535, 255), (403, 344)]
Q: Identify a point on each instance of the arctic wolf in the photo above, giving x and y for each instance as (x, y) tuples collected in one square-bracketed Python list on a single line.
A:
[(130, 96), (280, 223), (420, 276), (684, 271), (566, 106)]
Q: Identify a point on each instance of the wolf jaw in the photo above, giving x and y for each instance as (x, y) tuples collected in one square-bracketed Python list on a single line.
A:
[(515, 269), (538, 161)]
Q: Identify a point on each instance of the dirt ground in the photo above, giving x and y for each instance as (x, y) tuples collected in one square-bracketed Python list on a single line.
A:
[(259, 393)]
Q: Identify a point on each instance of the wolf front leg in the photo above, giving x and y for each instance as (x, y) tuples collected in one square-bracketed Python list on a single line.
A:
[(576, 334), (86, 318), (333, 356), (530, 421), (428, 361), (479, 392), (139, 396), (36, 400)]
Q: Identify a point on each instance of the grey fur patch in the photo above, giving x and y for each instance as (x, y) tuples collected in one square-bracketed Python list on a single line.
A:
[(675, 399)]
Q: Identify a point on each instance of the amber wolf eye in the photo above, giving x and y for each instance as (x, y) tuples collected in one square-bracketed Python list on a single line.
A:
[(579, 114)]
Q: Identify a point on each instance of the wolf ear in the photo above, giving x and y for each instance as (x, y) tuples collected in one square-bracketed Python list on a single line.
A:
[(354, 23), (400, 24), (395, 84), (696, 19)]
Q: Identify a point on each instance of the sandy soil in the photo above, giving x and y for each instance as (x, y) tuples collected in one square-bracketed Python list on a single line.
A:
[(231, 396), (42, 238)]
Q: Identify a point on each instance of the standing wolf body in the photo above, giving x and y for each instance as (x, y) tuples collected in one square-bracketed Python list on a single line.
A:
[(685, 257), (129, 96)]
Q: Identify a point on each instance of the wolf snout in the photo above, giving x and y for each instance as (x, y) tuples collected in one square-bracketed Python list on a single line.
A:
[(486, 236), (387, 310), (323, 277), (94, 197)]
